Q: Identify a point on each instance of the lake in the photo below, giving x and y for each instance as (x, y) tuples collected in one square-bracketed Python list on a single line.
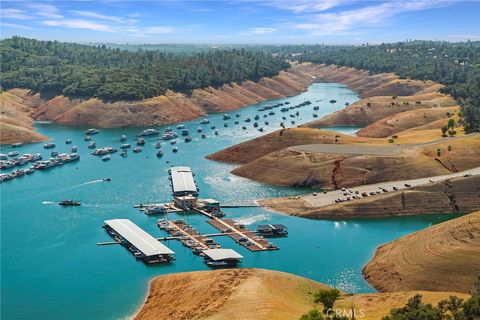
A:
[(52, 268)]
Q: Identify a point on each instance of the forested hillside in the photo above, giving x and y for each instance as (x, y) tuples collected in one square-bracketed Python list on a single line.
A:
[(456, 65), (75, 70)]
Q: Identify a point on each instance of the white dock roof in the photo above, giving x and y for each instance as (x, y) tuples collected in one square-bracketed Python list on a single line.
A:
[(143, 241), (222, 254), (182, 180)]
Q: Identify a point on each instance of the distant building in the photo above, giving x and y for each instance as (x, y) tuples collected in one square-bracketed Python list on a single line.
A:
[(185, 202)]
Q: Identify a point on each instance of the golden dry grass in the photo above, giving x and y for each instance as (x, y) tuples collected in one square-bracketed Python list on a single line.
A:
[(255, 294), (444, 257), (229, 294)]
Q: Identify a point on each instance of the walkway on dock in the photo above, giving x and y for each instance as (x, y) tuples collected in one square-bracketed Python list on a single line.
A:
[(236, 233), (193, 235)]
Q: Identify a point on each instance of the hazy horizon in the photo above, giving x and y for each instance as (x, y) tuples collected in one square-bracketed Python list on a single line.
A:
[(274, 22)]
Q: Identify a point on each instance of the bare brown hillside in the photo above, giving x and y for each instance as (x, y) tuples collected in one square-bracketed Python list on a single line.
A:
[(444, 257)]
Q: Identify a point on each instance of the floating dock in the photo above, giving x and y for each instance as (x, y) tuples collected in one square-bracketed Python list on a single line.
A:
[(237, 232), (202, 245), (157, 208), (189, 236), (140, 243), (242, 236)]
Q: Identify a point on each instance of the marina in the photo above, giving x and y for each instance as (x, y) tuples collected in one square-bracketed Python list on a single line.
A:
[(185, 192), (68, 236)]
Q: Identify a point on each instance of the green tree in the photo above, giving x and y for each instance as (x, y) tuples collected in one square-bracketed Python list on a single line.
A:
[(327, 298), (444, 131), (313, 314)]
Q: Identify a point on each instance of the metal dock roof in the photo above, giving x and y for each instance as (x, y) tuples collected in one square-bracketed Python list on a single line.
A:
[(222, 254), (182, 181), (143, 241)]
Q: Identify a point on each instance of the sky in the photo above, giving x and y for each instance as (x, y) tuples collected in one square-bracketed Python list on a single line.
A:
[(242, 21)]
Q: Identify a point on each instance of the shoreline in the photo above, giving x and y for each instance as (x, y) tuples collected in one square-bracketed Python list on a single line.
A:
[(303, 206), (278, 294), (167, 109)]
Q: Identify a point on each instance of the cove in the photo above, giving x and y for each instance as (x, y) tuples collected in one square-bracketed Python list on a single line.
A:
[(53, 269)]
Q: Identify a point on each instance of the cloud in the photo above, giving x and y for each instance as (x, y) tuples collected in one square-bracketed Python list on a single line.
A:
[(158, 29), (14, 25), (79, 24), (45, 10), (309, 6), (262, 30), (91, 14), (345, 21), (14, 14)]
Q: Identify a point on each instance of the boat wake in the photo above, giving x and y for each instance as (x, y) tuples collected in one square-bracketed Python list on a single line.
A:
[(89, 182), (48, 202), (251, 219)]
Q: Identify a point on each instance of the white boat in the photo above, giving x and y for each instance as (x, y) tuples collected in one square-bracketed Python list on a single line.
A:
[(106, 158), (91, 131), (149, 132), (205, 121)]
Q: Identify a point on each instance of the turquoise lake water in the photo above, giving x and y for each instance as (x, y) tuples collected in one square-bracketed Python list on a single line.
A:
[(51, 267)]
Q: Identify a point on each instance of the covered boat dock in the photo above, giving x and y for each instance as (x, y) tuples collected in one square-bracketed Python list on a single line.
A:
[(139, 242), (222, 257), (183, 183)]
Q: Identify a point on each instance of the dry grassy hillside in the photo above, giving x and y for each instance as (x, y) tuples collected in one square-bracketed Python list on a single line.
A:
[(402, 121), (229, 294), (255, 294), (16, 124), (290, 167), (448, 258), (253, 149), (369, 110)]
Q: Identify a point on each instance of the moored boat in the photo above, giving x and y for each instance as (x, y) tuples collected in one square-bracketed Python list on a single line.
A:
[(149, 132), (91, 131)]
